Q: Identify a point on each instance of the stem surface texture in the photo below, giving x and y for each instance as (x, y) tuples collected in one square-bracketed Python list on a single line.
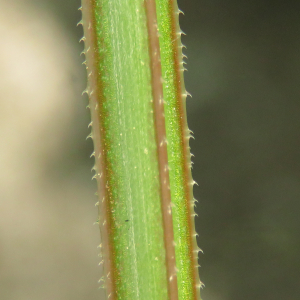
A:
[(142, 159)]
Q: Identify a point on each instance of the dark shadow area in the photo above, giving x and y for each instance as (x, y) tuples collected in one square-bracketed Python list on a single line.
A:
[(243, 73)]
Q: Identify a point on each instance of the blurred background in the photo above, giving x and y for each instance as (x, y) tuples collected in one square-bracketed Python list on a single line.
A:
[(243, 73)]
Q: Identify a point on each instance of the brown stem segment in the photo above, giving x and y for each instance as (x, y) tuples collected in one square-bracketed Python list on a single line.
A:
[(159, 118), (96, 98)]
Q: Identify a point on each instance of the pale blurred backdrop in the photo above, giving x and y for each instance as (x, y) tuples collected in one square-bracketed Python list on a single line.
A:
[(48, 243), (244, 75)]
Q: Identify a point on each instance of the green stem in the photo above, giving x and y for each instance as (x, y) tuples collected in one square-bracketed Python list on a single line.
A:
[(142, 160)]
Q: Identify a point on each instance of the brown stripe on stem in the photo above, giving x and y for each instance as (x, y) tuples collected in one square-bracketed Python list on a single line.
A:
[(159, 119), (182, 119), (96, 99)]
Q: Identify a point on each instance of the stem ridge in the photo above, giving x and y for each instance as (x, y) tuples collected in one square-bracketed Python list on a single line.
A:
[(95, 93), (158, 102)]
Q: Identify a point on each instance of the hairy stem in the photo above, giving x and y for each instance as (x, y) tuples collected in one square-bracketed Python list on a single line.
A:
[(142, 159)]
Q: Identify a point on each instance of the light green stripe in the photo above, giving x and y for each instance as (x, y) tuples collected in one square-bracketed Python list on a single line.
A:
[(131, 153)]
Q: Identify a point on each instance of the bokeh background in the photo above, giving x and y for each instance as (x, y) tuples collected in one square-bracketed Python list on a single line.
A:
[(243, 73)]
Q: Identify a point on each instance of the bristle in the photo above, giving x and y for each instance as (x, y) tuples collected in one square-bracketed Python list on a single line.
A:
[(90, 136), (193, 182), (101, 262), (85, 92), (186, 94), (180, 12), (82, 39)]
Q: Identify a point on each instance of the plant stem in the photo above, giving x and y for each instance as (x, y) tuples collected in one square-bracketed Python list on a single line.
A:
[(142, 161)]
